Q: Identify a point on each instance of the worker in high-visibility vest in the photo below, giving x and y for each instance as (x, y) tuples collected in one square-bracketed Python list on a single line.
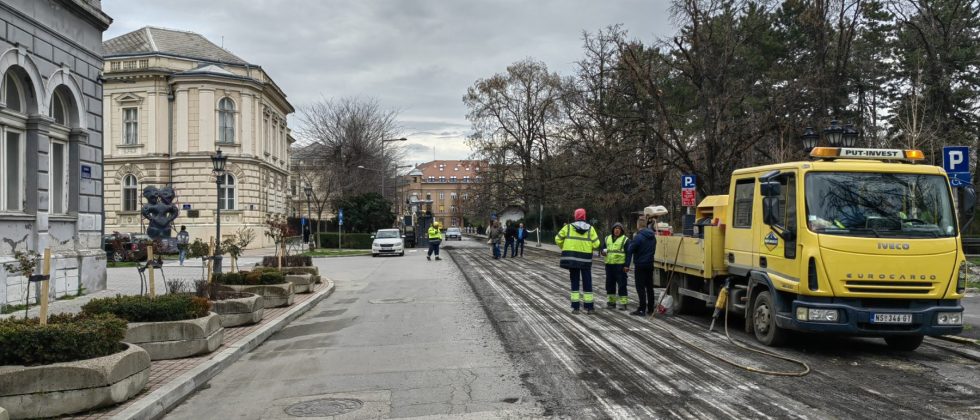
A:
[(578, 241), (614, 249), (435, 238)]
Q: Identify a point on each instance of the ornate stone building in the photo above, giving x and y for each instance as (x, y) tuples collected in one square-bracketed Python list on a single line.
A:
[(442, 187), (51, 141), (171, 100)]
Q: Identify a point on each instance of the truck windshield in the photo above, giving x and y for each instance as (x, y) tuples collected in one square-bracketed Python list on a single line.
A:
[(879, 205)]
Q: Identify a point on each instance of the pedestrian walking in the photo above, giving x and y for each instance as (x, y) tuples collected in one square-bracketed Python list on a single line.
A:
[(578, 241), (510, 236), (493, 234), (640, 251), (183, 242), (521, 236), (435, 238), (614, 249)]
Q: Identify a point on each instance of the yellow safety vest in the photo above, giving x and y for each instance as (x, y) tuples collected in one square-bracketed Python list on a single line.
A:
[(434, 234), (615, 250), (576, 248)]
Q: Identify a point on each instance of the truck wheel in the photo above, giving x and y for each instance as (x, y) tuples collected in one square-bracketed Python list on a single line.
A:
[(764, 321), (904, 342)]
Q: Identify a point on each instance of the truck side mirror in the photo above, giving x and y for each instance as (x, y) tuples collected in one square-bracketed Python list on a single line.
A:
[(769, 188), (769, 207), (968, 205)]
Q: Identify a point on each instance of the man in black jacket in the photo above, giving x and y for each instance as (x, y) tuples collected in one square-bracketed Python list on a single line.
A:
[(510, 236), (640, 251)]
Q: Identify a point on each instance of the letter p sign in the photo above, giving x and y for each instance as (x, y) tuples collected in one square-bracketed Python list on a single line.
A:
[(955, 159)]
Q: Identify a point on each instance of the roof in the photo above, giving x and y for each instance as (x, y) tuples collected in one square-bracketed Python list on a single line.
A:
[(154, 40), (450, 168)]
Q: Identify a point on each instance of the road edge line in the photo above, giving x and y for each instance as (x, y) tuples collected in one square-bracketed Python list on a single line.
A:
[(159, 402)]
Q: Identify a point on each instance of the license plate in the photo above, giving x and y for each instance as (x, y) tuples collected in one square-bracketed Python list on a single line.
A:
[(891, 318)]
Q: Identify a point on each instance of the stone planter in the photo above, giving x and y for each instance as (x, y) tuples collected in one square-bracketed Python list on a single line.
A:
[(177, 339), (72, 387), (273, 295), (313, 270), (240, 309), (302, 283)]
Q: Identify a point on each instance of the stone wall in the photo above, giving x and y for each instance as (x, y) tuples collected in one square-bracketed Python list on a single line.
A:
[(50, 46)]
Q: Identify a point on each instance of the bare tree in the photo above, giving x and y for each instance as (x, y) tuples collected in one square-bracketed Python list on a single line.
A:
[(347, 133)]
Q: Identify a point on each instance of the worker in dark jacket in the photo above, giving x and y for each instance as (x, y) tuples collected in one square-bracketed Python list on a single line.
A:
[(510, 236), (640, 252)]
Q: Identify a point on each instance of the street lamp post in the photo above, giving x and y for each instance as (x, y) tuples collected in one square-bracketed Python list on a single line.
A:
[(309, 211), (835, 135), (383, 164), (218, 161)]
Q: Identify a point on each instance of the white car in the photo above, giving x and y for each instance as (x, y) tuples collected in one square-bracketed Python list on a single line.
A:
[(454, 232), (387, 241)]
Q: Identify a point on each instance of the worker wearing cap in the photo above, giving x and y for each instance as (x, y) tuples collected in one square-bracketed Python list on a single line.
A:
[(578, 241), (614, 249), (435, 238)]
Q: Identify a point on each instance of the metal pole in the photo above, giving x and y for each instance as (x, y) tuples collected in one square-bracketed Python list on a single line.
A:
[(382, 169), (309, 218), (540, 221), (217, 227)]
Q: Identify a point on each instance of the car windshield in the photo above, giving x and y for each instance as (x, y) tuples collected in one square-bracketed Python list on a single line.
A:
[(879, 205), (454, 230), (387, 234)]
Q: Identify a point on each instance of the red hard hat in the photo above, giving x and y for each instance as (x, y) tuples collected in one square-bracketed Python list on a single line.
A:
[(579, 214)]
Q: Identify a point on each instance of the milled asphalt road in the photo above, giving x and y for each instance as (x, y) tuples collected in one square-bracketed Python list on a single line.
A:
[(400, 337)]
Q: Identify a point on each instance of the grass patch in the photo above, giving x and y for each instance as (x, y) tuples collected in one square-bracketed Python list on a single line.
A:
[(336, 252)]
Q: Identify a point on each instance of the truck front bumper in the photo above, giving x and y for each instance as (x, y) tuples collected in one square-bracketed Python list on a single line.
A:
[(856, 316)]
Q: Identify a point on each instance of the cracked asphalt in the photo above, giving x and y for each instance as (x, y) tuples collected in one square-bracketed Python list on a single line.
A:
[(473, 337)]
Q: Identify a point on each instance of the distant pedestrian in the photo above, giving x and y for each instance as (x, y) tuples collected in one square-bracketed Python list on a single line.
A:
[(494, 234), (614, 249), (435, 238), (183, 242), (510, 237), (521, 236), (640, 252), (578, 241)]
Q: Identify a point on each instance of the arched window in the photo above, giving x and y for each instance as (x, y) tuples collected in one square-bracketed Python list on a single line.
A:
[(59, 108), (129, 193), (226, 121), (226, 194), (13, 94)]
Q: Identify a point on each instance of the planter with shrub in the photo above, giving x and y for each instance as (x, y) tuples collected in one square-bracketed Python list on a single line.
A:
[(237, 308), (266, 282), (168, 326), (75, 363), (288, 261), (311, 270)]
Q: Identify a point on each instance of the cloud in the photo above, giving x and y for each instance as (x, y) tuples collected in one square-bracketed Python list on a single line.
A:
[(414, 56)]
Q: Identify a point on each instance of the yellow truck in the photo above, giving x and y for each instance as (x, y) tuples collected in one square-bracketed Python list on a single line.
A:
[(857, 241)]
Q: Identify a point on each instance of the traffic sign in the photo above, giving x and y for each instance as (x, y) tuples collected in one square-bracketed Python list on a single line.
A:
[(340, 217), (956, 162), (689, 181), (688, 197)]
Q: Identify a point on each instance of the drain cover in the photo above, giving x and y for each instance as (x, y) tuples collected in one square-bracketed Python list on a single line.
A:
[(392, 300), (324, 407)]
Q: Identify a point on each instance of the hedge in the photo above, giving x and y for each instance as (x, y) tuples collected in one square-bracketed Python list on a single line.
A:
[(143, 309), (351, 240), (288, 261), (258, 276), (66, 338)]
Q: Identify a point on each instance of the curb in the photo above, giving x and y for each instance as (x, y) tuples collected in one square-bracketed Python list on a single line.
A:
[(159, 402), (960, 350)]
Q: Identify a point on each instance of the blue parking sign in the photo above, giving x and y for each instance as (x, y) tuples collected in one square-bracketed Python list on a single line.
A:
[(688, 181), (956, 163)]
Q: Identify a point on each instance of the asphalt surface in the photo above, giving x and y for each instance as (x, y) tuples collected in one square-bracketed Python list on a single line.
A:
[(399, 337), (612, 365)]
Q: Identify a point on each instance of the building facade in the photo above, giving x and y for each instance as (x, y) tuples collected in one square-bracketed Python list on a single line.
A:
[(442, 188), (172, 99), (51, 143)]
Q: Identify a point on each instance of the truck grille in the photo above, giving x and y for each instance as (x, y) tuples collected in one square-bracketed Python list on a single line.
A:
[(893, 287)]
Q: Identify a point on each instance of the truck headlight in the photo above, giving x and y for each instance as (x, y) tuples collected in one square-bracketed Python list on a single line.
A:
[(961, 281), (950, 318), (817, 315)]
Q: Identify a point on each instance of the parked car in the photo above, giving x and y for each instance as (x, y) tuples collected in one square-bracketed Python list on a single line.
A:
[(454, 233), (387, 241)]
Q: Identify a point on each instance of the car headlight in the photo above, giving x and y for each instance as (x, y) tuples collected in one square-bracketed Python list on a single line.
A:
[(817, 315), (950, 318)]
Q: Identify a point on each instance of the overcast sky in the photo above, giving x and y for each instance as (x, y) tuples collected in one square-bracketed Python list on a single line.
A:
[(417, 57)]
